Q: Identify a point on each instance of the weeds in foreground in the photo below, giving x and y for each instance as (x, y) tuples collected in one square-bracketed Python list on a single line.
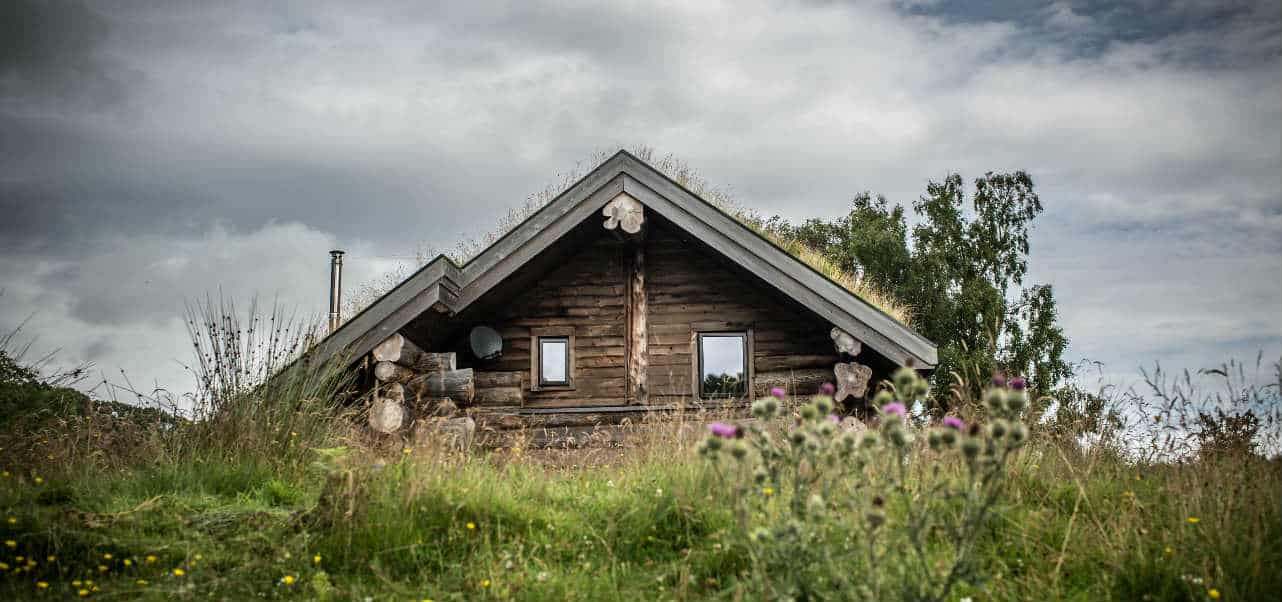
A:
[(324, 517)]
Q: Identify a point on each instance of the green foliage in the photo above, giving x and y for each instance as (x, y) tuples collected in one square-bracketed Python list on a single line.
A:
[(908, 505), (962, 266)]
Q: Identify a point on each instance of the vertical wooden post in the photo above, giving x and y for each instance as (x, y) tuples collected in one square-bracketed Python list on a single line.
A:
[(638, 334)]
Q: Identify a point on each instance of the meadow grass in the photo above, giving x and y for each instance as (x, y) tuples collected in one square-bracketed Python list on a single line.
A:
[(444, 525), (272, 491)]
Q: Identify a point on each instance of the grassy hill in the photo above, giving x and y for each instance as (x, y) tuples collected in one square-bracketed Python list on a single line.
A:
[(275, 495)]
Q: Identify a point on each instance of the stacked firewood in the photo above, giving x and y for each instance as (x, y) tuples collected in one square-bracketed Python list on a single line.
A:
[(413, 383)]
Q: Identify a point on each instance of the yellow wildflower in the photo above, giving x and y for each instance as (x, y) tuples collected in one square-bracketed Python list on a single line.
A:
[(75, 583), (150, 559), (485, 583), (42, 585), (4, 566), (1193, 520), (179, 572), (141, 582), (9, 543), (102, 568), (51, 558), (316, 559), (128, 562), (107, 556), (38, 480), (82, 592), (471, 525), (1213, 593), (287, 579), (13, 520), (1168, 550), (5, 473), (406, 451), (768, 491)]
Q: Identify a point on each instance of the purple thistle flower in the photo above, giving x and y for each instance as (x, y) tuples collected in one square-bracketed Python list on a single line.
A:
[(827, 389), (1018, 384), (834, 418), (999, 380), (723, 430), (779, 393), (954, 423), (897, 409)]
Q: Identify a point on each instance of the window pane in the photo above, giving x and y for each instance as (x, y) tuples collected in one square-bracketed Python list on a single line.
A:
[(553, 357), (722, 365)]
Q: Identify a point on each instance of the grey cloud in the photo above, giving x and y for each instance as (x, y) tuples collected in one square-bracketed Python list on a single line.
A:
[(162, 128)]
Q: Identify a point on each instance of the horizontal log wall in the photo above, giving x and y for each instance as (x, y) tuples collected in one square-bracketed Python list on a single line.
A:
[(688, 285), (588, 293)]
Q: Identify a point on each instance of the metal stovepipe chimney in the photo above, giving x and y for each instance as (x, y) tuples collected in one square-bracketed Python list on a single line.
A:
[(335, 288)]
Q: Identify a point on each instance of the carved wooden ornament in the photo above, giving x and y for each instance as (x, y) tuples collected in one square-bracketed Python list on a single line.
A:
[(624, 213), (852, 380), (845, 343)]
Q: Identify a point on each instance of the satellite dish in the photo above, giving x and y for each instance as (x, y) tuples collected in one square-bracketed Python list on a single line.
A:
[(486, 343)]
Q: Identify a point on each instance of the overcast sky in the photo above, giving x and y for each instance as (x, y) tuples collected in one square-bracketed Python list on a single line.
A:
[(153, 152)]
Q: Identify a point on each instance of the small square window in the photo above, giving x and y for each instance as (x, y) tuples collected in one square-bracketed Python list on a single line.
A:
[(723, 365), (554, 361)]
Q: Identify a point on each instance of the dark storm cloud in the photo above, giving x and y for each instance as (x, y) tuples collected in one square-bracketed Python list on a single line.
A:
[(154, 151), (49, 57)]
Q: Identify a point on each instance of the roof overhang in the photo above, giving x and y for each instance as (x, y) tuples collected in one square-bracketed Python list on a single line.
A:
[(444, 287)]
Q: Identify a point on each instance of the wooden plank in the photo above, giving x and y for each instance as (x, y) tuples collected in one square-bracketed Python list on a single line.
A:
[(505, 378), (793, 362)]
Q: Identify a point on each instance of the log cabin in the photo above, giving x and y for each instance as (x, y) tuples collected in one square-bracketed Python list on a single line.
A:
[(626, 294)]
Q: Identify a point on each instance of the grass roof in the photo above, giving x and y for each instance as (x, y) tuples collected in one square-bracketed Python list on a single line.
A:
[(689, 178)]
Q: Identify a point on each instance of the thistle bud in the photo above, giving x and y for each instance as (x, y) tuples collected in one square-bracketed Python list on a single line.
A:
[(970, 447), (997, 429), (897, 436), (905, 379), (759, 409), (994, 399), (949, 437), (812, 444), (759, 476), (846, 443), (1018, 432), (713, 443), (1016, 400), (935, 440), (870, 440), (772, 407), (760, 535), (797, 437), (922, 388), (882, 398), (808, 412), (827, 429), (738, 449), (823, 405)]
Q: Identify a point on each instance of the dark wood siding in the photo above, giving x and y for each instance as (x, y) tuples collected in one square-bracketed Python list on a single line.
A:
[(587, 293), (690, 288)]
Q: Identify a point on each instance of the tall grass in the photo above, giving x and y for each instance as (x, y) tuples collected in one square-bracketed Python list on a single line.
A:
[(257, 394), (268, 495)]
